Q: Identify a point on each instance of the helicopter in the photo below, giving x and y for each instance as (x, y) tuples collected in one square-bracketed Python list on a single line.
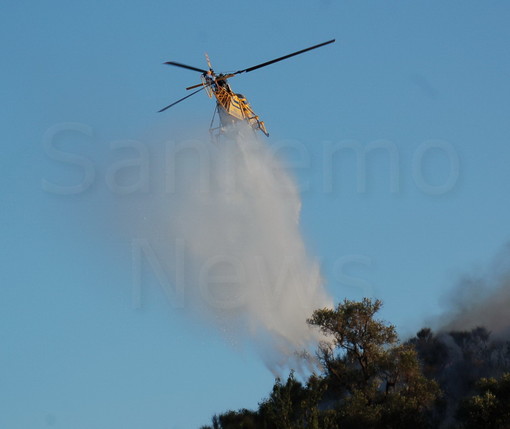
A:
[(230, 106)]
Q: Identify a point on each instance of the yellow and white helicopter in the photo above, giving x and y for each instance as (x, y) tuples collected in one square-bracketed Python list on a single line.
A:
[(231, 107)]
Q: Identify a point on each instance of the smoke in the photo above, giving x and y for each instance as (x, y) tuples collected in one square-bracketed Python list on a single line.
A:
[(241, 262), (482, 299), (472, 339)]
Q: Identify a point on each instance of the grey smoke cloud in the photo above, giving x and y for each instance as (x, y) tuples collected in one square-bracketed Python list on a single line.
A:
[(482, 299)]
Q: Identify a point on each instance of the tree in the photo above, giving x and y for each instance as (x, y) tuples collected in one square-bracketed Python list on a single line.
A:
[(280, 410), (241, 419), (377, 382), (490, 408), (432, 351)]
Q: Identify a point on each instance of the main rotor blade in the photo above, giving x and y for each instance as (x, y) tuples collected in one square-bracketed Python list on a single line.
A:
[(184, 66), (194, 86), (284, 57), (178, 101)]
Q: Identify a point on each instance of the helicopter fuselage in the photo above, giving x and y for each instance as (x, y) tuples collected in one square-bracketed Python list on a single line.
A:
[(231, 107)]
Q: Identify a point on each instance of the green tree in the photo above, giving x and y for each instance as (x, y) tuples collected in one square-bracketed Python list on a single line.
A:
[(490, 408), (282, 409), (377, 381), (241, 419)]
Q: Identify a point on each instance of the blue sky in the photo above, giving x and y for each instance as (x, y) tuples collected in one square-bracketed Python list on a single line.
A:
[(424, 81)]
